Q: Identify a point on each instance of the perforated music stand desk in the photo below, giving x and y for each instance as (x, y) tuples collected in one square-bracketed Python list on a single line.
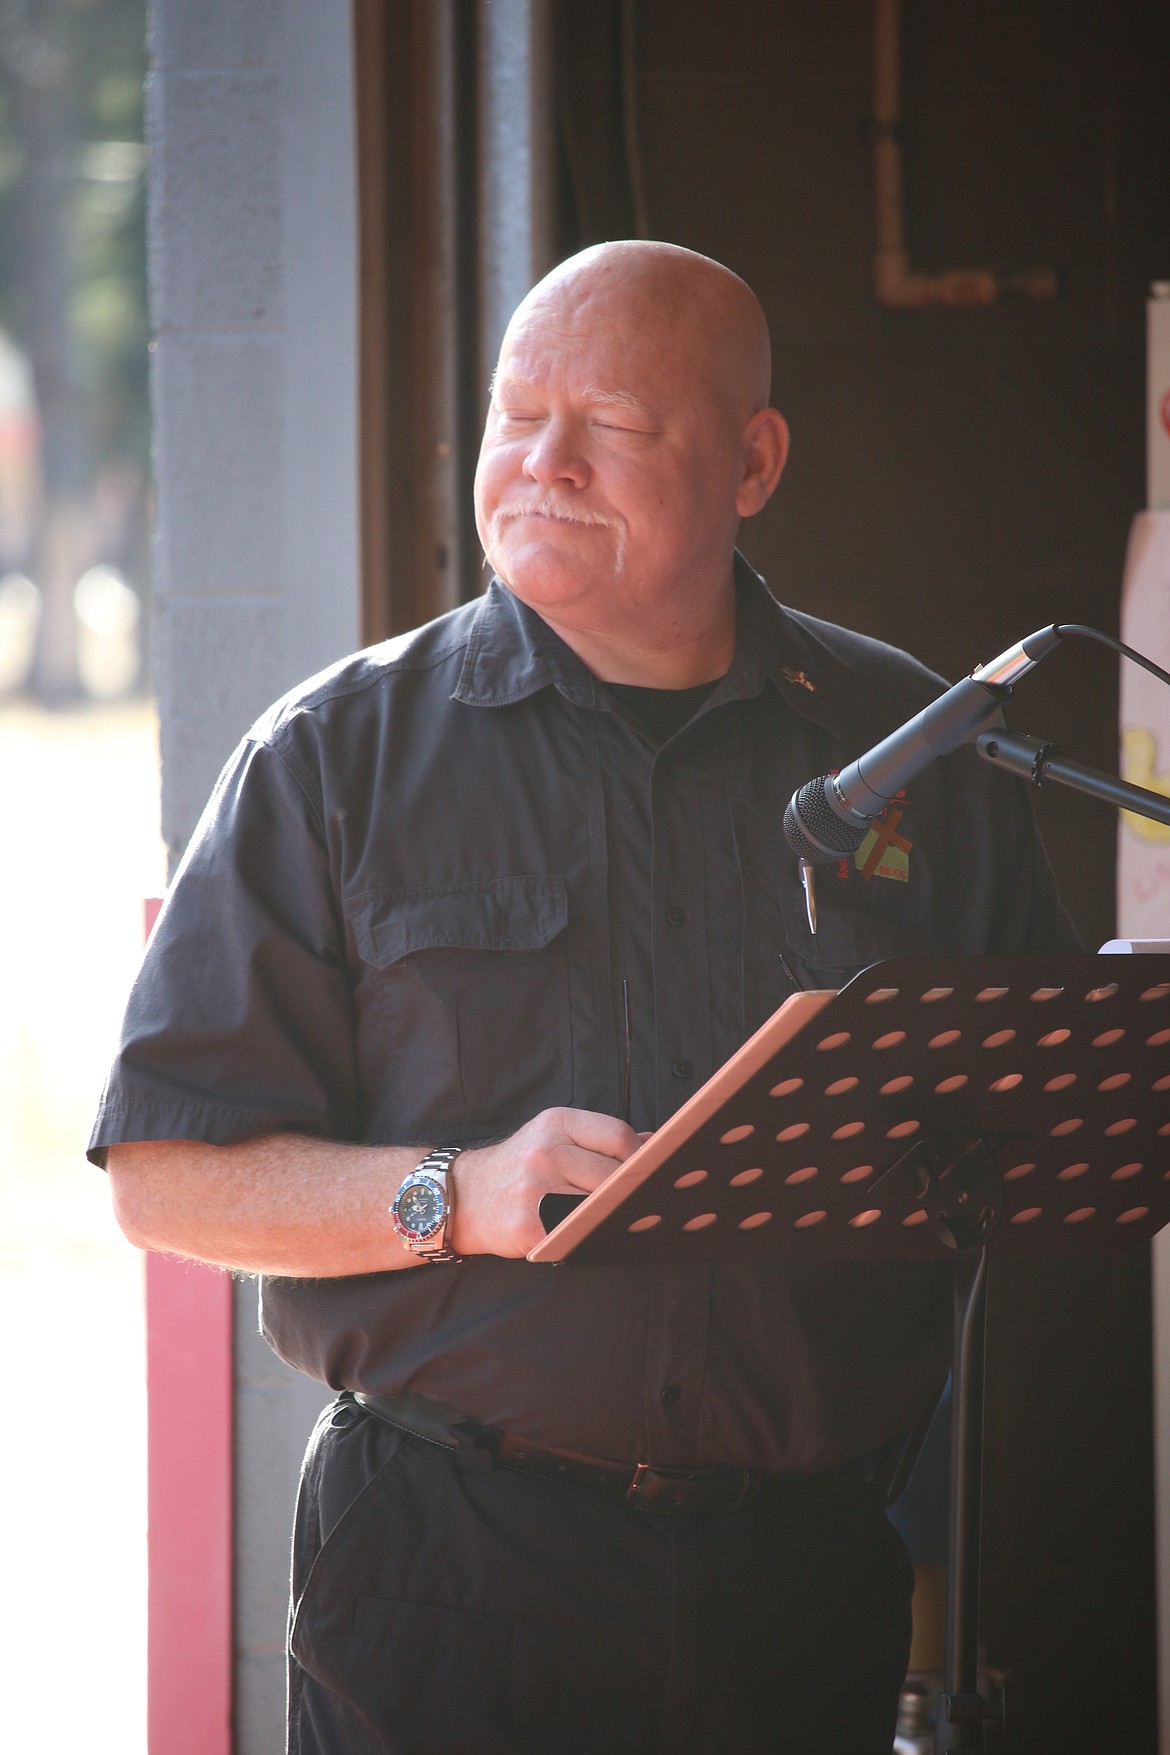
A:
[(960, 1107)]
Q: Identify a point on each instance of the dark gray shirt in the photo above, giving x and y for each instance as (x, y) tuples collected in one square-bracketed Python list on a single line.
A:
[(406, 916)]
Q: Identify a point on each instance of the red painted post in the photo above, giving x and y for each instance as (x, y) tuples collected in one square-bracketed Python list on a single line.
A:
[(189, 1504)]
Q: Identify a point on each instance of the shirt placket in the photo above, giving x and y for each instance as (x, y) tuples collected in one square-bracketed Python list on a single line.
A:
[(684, 786), (678, 927)]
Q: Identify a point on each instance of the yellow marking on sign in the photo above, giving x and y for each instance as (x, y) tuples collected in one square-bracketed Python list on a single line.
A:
[(1139, 765)]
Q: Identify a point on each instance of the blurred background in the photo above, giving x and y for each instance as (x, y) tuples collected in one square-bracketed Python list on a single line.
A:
[(74, 426), (79, 849)]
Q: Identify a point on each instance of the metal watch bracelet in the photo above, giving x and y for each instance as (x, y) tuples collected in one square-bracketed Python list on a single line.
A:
[(434, 1167)]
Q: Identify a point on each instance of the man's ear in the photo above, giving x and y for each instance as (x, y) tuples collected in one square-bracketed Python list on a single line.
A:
[(765, 452)]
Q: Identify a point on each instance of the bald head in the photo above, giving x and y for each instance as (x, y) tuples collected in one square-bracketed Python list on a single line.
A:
[(628, 434), (683, 311)]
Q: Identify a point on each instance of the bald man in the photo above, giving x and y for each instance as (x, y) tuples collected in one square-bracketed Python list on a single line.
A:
[(467, 917)]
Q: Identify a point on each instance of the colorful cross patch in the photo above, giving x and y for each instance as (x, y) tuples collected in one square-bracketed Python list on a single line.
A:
[(885, 853)]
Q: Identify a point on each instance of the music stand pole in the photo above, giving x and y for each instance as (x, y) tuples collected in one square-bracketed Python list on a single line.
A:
[(961, 1709), (962, 1190)]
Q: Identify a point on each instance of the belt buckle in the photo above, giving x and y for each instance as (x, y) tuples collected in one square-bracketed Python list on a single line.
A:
[(677, 1492), (645, 1491), (681, 1492)]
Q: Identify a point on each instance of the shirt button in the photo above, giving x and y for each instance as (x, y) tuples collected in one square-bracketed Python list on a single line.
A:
[(669, 1394), (682, 1069), (676, 916)]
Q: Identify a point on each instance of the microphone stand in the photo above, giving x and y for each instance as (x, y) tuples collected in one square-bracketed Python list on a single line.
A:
[(1033, 759)]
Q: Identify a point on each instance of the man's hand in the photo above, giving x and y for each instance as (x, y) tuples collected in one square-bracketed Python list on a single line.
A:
[(497, 1189)]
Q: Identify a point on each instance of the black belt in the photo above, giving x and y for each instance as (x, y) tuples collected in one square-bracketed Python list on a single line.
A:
[(675, 1492)]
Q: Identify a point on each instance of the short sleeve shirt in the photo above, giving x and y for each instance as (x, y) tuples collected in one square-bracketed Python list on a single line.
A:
[(406, 917)]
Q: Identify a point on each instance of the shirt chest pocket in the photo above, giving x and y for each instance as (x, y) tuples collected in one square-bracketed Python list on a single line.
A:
[(462, 997), (846, 942)]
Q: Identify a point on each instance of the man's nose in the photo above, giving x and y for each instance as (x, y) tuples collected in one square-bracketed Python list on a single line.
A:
[(556, 454)]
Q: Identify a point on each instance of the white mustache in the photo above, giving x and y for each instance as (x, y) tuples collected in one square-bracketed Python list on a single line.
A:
[(561, 515)]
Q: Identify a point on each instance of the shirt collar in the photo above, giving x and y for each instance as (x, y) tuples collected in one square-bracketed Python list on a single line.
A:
[(512, 653)]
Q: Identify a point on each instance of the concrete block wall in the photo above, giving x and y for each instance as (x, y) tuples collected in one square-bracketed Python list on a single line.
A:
[(253, 283), (253, 288), (517, 151)]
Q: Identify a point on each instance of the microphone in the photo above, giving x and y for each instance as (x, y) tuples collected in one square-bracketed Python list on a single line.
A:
[(831, 815)]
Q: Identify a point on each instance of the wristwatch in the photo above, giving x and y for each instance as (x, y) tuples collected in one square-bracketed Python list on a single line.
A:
[(422, 1206)]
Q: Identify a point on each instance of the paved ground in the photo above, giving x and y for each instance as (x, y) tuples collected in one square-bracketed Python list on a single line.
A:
[(79, 848)]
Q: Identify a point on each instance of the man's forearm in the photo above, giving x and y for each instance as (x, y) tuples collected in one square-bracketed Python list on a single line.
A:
[(279, 1204), (305, 1208)]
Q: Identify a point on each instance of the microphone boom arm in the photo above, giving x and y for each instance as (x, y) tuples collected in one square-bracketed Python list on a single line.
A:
[(1033, 759)]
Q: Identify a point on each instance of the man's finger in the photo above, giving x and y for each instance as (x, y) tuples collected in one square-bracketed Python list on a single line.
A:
[(605, 1135), (585, 1171)]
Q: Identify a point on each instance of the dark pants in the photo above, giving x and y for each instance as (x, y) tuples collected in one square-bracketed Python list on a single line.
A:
[(443, 1609)]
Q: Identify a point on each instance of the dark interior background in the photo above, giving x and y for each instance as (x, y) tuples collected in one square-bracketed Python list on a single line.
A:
[(958, 479)]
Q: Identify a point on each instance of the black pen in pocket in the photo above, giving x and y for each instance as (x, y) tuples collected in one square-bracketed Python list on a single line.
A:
[(797, 986), (626, 1073)]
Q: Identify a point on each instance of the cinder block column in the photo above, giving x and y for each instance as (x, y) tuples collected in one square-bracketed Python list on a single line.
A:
[(517, 155), (253, 286)]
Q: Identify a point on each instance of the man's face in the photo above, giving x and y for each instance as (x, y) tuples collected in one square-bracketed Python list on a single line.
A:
[(607, 479)]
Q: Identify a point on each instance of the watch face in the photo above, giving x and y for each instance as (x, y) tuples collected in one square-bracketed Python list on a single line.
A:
[(419, 1207)]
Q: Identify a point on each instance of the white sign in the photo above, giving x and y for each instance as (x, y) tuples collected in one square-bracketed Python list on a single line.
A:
[(1158, 401), (1143, 847)]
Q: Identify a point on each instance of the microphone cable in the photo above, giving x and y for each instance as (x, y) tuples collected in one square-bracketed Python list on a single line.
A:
[(1063, 628)]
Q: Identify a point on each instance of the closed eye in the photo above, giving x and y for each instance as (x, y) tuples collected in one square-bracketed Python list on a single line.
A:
[(613, 426)]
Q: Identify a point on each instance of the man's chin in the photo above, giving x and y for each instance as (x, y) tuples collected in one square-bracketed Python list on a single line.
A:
[(543, 576)]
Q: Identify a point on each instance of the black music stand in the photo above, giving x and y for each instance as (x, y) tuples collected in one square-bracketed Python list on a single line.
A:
[(1016, 1106)]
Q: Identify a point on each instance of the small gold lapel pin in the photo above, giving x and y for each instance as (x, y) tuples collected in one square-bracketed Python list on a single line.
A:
[(798, 676)]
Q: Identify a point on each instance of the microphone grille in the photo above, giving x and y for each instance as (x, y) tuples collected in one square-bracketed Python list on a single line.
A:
[(813, 829)]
